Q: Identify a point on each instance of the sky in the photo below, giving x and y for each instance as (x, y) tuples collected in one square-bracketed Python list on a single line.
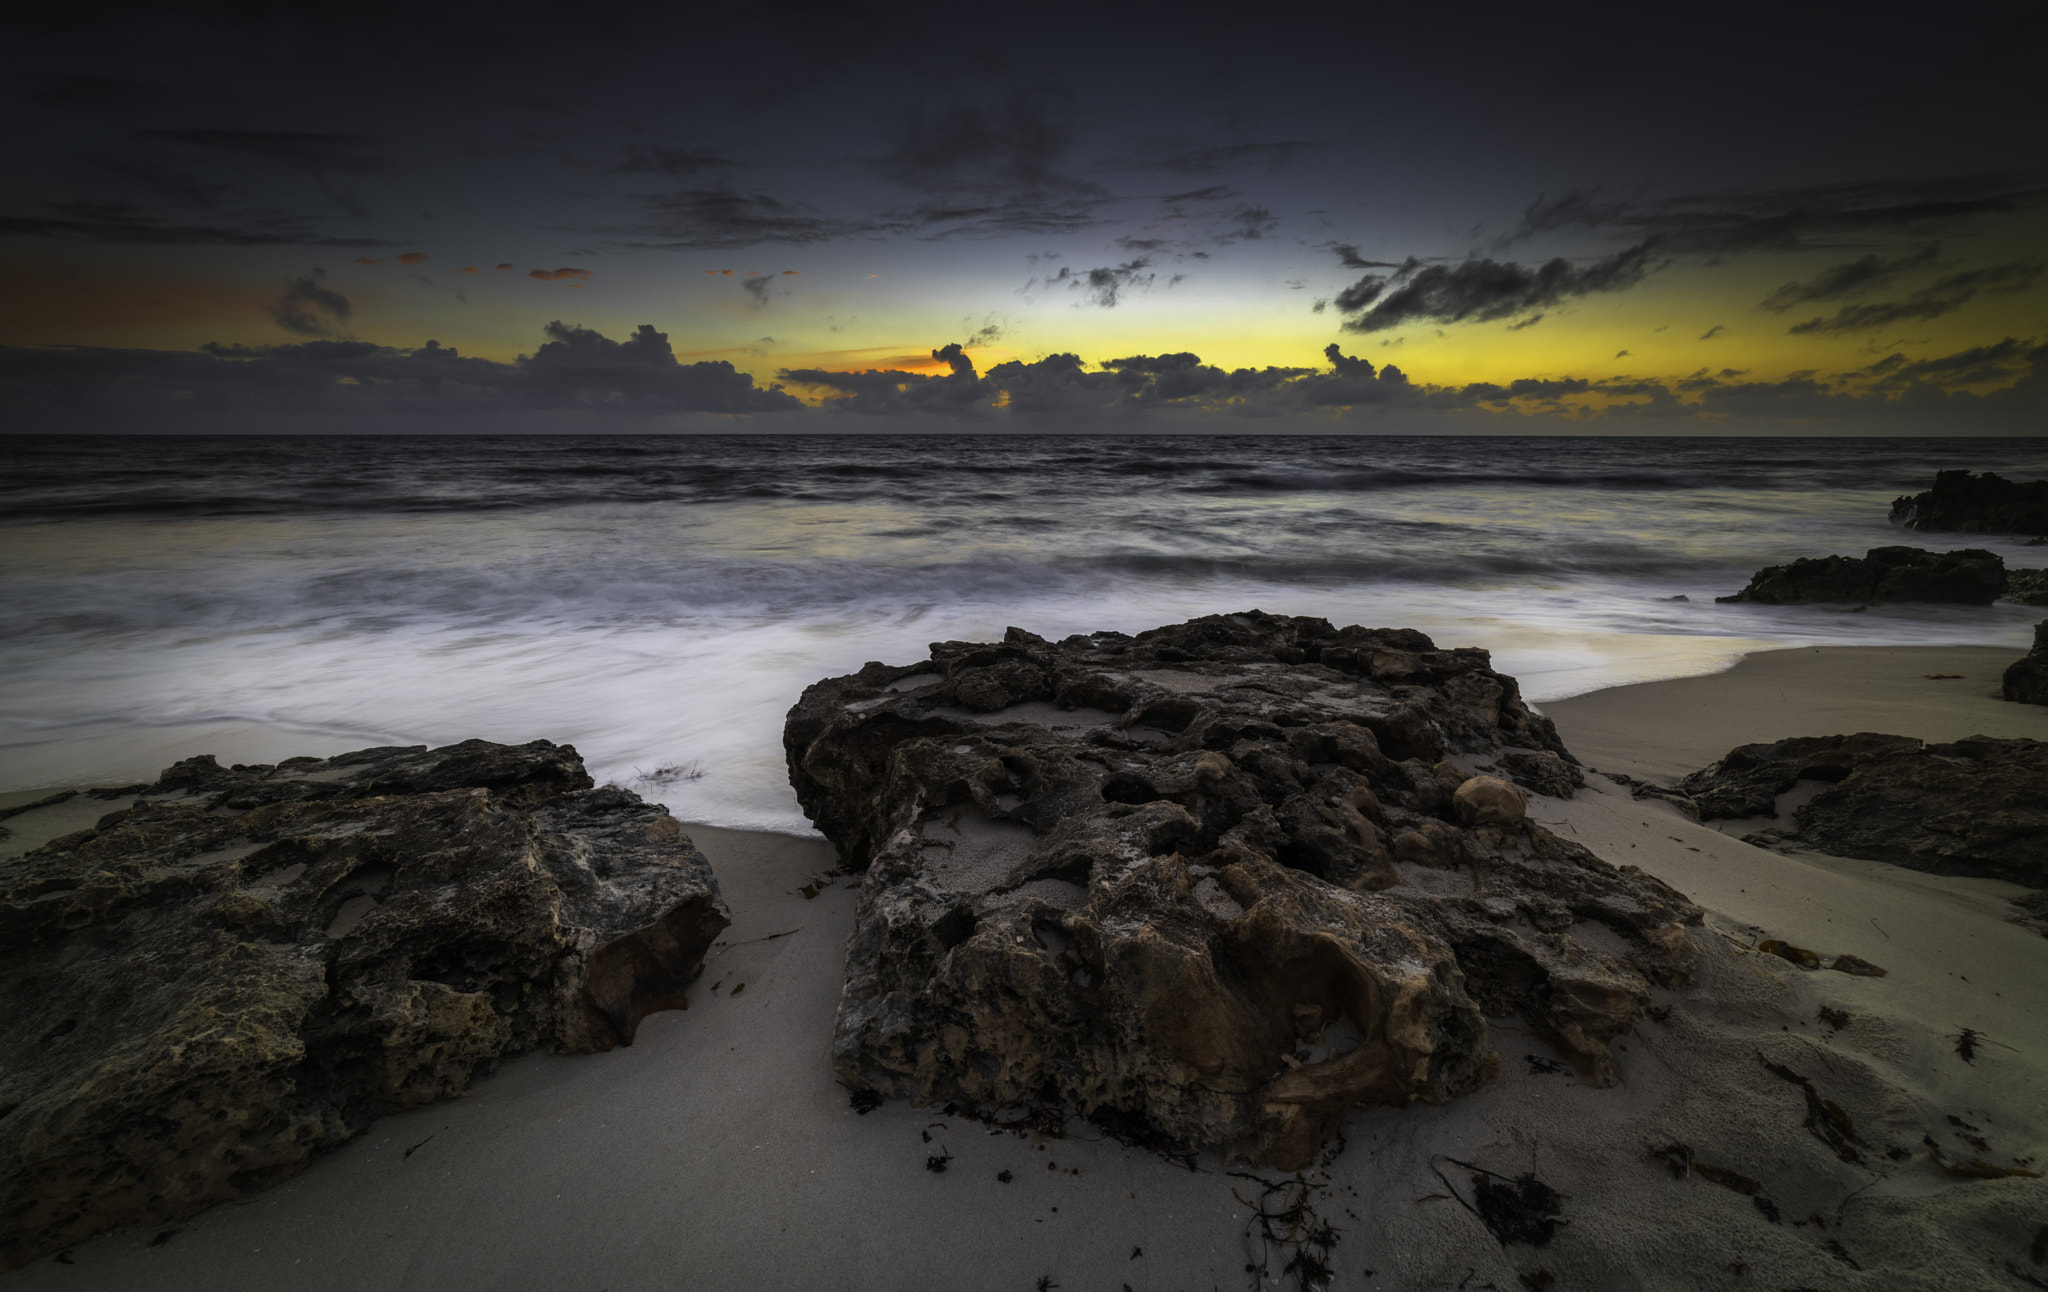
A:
[(829, 216)]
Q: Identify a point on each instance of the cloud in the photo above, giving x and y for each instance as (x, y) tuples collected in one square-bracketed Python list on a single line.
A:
[(308, 309), (556, 275), (1853, 279), (1976, 366), (725, 219), (1029, 213), (320, 155), (118, 222), (1213, 193), (679, 163), (1712, 332), (1350, 258), (503, 267), (894, 391), (1480, 289), (1944, 296), (1787, 219), (363, 385), (763, 287), (338, 384), (1247, 224), (1016, 144), (1104, 286), (413, 258)]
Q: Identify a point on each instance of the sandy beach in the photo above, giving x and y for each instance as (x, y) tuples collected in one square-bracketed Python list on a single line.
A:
[(718, 1151)]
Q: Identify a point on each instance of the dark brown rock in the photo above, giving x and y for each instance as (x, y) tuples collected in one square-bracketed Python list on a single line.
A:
[(251, 964), (2026, 680), (1227, 879), (1970, 504), (1972, 807), (2027, 587), (1970, 576)]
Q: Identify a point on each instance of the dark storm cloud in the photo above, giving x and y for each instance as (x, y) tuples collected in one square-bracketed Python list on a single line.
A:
[(576, 369), (1944, 296), (889, 390), (1481, 290), (130, 222), (308, 309), (1853, 279), (677, 163), (724, 219)]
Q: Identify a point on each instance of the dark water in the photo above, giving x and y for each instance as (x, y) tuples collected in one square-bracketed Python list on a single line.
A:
[(662, 600)]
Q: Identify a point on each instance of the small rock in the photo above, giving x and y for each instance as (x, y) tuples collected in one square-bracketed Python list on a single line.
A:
[(2026, 681), (1488, 800)]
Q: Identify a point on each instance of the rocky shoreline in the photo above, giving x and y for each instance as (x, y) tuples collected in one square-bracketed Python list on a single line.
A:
[(1222, 881), (244, 967)]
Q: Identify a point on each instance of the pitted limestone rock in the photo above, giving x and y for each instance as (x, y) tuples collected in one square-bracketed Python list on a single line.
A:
[(251, 964), (1229, 878)]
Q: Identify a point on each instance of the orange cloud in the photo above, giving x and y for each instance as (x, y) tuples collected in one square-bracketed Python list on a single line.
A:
[(365, 260), (549, 275), (502, 268), (467, 269), (414, 258), (789, 273)]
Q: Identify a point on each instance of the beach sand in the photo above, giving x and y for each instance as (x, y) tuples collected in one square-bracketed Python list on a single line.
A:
[(719, 1152)]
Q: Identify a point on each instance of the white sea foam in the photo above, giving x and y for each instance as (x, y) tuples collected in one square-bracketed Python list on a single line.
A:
[(561, 590)]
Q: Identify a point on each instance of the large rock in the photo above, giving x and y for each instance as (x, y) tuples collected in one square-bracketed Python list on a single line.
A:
[(1967, 504), (1969, 577), (1972, 807), (1224, 880), (2027, 679), (2028, 587), (250, 964)]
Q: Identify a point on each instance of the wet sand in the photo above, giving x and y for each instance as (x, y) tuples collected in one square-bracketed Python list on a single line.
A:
[(720, 1152)]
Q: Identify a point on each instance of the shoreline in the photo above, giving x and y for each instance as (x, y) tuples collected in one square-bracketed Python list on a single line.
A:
[(719, 1149)]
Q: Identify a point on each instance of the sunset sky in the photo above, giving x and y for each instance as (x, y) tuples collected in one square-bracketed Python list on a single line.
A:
[(1321, 219)]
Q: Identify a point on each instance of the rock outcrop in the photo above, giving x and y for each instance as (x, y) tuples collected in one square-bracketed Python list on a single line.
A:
[(2028, 587), (2027, 679), (1971, 807), (1967, 577), (251, 963), (1224, 880), (1970, 504)]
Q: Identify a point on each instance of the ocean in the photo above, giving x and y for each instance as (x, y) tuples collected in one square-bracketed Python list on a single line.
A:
[(661, 601)]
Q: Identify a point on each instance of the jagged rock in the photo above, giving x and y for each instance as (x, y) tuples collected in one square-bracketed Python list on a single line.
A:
[(2026, 679), (1748, 780), (252, 963), (1970, 576), (2027, 587), (1967, 504), (1972, 807), (1228, 879)]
